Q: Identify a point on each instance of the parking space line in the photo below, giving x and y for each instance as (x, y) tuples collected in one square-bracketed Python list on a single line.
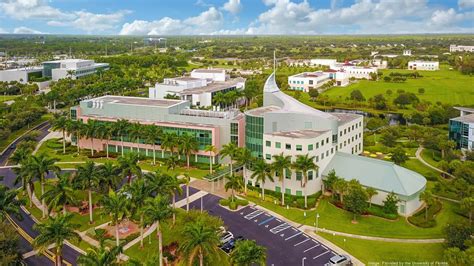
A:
[(290, 237), (310, 248), (267, 220), (297, 244), (252, 215), (279, 228), (321, 255)]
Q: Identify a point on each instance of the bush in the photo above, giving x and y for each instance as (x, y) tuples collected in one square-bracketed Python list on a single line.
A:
[(418, 219), (233, 205), (376, 210), (290, 200)]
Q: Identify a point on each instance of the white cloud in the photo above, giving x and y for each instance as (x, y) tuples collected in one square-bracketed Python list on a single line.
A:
[(31, 9), (92, 22), (206, 22), (25, 30), (466, 3), (3, 31), (233, 6)]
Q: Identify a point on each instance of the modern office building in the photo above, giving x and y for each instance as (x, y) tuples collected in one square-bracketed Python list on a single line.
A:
[(284, 125), (461, 48), (73, 68), (461, 128), (199, 88), (423, 65), (22, 75), (308, 80), (208, 127), (323, 62)]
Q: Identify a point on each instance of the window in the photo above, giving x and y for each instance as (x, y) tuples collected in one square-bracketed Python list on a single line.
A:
[(327, 140), (317, 158), (299, 193), (308, 125), (332, 150), (345, 131), (310, 147), (268, 143), (340, 145), (299, 147), (310, 175), (322, 156), (287, 173), (268, 156), (299, 176), (277, 145), (311, 81), (340, 134), (317, 145), (288, 146), (277, 189), (322, 142), (327, 153), (288, 191)]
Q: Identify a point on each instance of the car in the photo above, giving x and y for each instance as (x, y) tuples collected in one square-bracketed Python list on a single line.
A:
[(339, 260), (226, 237), (229, 246)]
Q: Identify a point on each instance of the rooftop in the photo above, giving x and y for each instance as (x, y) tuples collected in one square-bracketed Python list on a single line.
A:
[(345, 117), (465, 109), (110, 99), (67, 61), (422, 61), (465, 118), (310, 74), (299, 134), (214, 86), (262, 110), (214, 70), (379, 174)]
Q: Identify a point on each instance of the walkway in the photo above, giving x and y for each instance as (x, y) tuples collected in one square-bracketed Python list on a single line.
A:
[(420, 158)]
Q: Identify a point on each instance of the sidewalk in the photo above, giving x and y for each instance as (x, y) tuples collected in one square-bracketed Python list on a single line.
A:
[(418, 156)]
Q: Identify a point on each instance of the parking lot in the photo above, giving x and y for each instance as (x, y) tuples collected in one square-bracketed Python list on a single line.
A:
[(285, 244)]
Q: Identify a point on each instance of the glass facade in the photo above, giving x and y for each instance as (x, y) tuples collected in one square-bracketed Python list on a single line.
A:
[(254, 135), (459, 132), (234, 133), (48, 67)]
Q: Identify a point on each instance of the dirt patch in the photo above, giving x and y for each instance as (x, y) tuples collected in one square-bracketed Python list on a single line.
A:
[(126, 228)]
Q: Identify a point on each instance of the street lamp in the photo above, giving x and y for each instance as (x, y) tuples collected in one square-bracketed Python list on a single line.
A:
[(317, 221), (302, 261)]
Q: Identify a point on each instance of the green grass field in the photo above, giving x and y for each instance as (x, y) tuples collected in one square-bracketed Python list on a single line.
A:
[(4, 98), (446, 86), (378, 252)]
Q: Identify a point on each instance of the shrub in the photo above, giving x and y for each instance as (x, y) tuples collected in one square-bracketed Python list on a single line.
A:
[(418, 219), (379, 211), (233, 205)]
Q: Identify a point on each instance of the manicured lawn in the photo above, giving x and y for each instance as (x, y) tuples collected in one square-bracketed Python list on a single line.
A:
[(446, 86), (432, 157), (371, 252), (4, 98), (419, 167)]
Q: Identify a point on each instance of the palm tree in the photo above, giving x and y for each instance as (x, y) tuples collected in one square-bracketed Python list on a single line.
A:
[(54, 232), (25, 176), (136, 131), (261, 172), (340, 186), (230, 150), (41, 165), (212, 150), (200, 239), (8, 202), (187, 145), (244, 157), (152, 135), (304, 163), (139, 192), (120, 128), (116, 205), (20, 155), (174, 185), (171, 162), (234, 183), (429, 199), (109, 176), (76, 128), (157, 210), (106, 131), (128, 165), (90, 132), (168, 142), (247, 253), (87, 178), (467, 205), (371, 192), (281, 164), (61, 123), (101, 256), (60, 194), (186, 180)]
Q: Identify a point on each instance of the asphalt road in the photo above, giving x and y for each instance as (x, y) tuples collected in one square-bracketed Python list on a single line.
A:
[(285, 244)]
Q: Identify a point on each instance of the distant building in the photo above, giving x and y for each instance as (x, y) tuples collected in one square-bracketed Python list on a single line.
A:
[(153, 40), (461, 128), (73, 68), (340, 78), (358, 72), (461, 48), (406, 52), (22, 75), (323, 62), (298, 62), (308, 80), (423, 65), (379, 63)]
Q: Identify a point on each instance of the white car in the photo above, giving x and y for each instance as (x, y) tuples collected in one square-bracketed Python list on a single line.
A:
[(226, 237), (339, 260)]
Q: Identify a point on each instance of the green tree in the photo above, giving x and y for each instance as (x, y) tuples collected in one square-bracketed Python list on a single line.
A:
[(356, 201), (456, 235), (128, 166), (281, 164), (8, 203), (305, 163), (109, 176), (54, 232), (120, 128), (187, 144), (371, 192), (230, 150), (399, 156), (233, 183), (9, 248), (357, 95), (211, 149), (456, 257), (90, 132), (199, 240), (139, 193), (25, 176), (261, 172), (467, 205), (60, 123), (116, 205), (340, 186), (100, 256), (152, 135), (20, 155), (171, 162), (429, 200), (168, 142), (60, 194), (135, 132), (87, 178), (329, 181), (313, 93), (244, 157), (247, 253)]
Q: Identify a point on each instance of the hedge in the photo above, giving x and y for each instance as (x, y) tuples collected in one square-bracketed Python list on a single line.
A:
[(233, 205), (291, 200), (418, 219)]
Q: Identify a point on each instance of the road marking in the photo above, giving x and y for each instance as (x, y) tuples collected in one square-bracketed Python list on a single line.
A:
[(297, 244), (278, 220), (321, 255), (267, 220), (310, 248), (252, 215), (297, 234), (279, 228)]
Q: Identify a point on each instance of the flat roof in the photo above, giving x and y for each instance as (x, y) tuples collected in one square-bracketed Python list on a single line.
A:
[(214, 70), (464, 109), (142, 101), (68, 61), (344, 118), (214, 86), (299, 134), (26, 69), (315, 74), (465, 118), (262, 110)]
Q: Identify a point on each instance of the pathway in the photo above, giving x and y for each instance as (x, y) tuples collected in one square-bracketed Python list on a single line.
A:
[(420, 158)]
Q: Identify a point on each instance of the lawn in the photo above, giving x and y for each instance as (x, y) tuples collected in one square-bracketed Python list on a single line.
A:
[(431, 156), (419, 167), (333, 218), (373, 252), (446, 86), (5, 98)]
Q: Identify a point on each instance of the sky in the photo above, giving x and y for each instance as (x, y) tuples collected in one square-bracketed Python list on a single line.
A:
[(228, 17)]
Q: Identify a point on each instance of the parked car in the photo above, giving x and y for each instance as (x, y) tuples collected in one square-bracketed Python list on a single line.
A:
[(339, 260), (226, 237), (229, 246)]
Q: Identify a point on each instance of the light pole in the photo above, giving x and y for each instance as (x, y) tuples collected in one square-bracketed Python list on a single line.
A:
[(302, 261), (201, 204), (317, 221)]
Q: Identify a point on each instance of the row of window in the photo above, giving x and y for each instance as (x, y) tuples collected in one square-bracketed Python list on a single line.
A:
[(299, 175), (348, 129), (298, 147), (347, 142)]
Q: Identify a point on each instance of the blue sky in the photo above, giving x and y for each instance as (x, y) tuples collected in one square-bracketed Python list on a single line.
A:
[(174, 17)]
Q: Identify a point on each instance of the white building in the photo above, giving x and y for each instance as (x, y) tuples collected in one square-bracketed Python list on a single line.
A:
[(73, 68), (406, 52), (210, 74), (461, 48), (379, 63), (308, 80), (283, 125), (21, 75), (340, 78), (323, 62), (358, 72), (423, 65)]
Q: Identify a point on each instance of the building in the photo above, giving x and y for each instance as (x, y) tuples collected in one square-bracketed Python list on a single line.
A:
[(200, 88), (307, 80), (358, 72), (406, 52), (323, 62), (208, 127), (461, 48), (340, 78), (379, 63), (461, 129), (284, 125), (22, 75), (423, 65), (73, 68)]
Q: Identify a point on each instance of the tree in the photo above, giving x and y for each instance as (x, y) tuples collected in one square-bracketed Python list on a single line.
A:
[(467, 205), (152, 135), (390, 203), (356, 201), (60, 123), (389, 136), (429, 199), (107, 132), (87, 178), (230, 150), (399, 156), (340, 186), (457, 234), (8, 203), (100, 256), (234, 182), (329, 181), (139, 193), (247, 253), (313, 93), (128, 166), (187, 145), (60, 194), (25, 176), (9, 245), (171, 162), (116, 205), (54, 232), (157, 210), (261, 172), (305, 163), (421, 90), (456, 257), (211, 149), (281, 164), (200, 239), (186, 180), (168, 142), (135, 132), (356, 95), (244, 157), (120, 128), (109, 176), (406, 98), (20, 155), (371, 192), (90, 132)]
